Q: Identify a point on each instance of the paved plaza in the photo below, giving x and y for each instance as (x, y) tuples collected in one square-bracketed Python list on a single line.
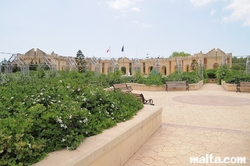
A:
[(210, 121)]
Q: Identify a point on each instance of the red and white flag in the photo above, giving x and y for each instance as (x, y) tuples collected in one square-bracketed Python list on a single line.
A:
[(108, 50)]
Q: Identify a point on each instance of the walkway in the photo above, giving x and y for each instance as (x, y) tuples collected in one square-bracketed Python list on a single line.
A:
[(209, 121)]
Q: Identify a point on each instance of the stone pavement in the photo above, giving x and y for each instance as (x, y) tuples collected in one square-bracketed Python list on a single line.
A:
[(210, 121)]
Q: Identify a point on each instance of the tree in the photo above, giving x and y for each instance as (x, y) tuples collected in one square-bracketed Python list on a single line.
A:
[(175, 54), (194, 65), (239, 63), (81, 62)]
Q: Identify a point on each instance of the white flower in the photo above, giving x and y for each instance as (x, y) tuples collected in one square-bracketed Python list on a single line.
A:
[(70, 116), (84, 99), (59, 120), (112, 105), (11, 98), (64, 126), (63, 140), (78, 89), (41, 93), (34, 102), (85, 120), (60, 80), (29, 145), (59, 101)]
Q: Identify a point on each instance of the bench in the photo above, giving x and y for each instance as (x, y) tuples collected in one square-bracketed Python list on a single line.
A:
[(143, 100), (123, 87), (242, 85), (177, 84)]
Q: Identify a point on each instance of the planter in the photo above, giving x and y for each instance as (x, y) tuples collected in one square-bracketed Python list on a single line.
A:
[(112, 147), (144, 87), (228, 87), (196, 86), (212, 80)]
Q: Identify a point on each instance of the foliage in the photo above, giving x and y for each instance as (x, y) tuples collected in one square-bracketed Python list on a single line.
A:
[(175, 54), (194, 65), (221, 73), (115, 77), (238, 63), (139, 77), (154, 78), (236, 76), (211, 73), (46, 113), (80, 61), (190, 77)]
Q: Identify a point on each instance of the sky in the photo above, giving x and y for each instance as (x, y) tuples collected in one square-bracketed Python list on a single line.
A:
[(145, 28)]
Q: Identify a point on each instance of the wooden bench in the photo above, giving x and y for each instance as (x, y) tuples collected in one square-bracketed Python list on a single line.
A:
[(177, 84), (123, 87), (143, 100), (242, 85)]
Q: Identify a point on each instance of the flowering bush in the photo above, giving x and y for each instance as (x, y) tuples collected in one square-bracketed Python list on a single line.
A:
[(42, 114)]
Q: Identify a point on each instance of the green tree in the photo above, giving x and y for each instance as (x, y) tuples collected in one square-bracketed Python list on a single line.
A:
[(239, 63), (175, 54), (81, 62)]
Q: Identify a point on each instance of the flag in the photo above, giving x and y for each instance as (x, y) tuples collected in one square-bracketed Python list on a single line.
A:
[(123, 48), (108, 50)]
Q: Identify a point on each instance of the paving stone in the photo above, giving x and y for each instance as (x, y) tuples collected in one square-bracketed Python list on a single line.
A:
[(195, 123)]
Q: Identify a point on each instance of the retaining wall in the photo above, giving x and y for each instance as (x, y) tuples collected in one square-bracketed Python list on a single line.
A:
[(112, 147)]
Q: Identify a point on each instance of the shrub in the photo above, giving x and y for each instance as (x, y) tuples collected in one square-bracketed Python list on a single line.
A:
[(44, 114), (154, 78), (236, 76), (211, 73), (221, 73), (190, 77)]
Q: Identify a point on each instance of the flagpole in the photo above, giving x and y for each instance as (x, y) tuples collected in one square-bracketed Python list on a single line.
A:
[(110, 51)]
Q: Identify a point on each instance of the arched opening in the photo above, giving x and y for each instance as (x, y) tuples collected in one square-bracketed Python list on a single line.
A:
[(164, 70), (215, 66), (150, 68), (187, 68), (123, 69)]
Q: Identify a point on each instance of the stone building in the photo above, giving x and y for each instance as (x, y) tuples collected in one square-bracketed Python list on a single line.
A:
[(211, 60)]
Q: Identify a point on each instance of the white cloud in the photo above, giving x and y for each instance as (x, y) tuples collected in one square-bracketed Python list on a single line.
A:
[(213, 12), (135, 9), (240, 11), (143, 25), (120, 4), (146, 25), (200, 2)]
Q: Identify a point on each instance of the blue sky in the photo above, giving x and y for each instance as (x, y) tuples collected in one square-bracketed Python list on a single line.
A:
[(146, 28)]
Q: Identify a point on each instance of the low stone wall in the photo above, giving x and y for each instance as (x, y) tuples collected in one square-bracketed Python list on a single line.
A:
[(232, 87), (196, 86), (112, 147), (212, 80), (144, 87), (228, 87)]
